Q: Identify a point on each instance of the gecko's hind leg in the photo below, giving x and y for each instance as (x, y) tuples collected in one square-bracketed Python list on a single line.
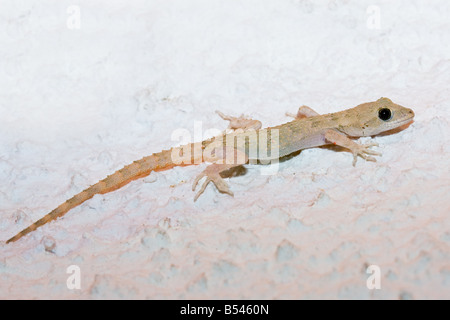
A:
[(226, 158), (303, 112), (212, 174), (241, 122)]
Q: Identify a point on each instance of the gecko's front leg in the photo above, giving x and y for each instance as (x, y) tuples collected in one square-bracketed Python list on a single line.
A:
[(357, 149)]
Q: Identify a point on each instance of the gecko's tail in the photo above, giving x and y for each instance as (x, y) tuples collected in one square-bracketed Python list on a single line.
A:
[(138, 169), (58, 212)]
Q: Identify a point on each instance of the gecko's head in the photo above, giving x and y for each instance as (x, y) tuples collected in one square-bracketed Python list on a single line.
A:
[(372, 118)]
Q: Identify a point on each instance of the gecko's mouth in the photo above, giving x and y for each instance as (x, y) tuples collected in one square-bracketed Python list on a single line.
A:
[(405, 121), (402, 122)]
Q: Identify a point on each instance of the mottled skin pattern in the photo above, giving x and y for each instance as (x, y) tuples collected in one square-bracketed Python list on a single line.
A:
[(248, 142)]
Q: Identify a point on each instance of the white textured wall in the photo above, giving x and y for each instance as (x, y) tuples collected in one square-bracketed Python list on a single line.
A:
[(78, 104)]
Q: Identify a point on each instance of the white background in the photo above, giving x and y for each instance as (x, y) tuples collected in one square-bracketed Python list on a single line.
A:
[(77, 104)]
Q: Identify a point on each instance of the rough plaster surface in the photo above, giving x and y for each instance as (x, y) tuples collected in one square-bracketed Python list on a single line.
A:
[(78, 104)]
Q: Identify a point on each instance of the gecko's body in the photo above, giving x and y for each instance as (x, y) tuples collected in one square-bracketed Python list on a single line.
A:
[(233, 149)]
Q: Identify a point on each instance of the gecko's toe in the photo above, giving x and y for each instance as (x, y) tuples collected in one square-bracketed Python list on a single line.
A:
[(371, 144), (197, 179), (202, 189), (369, 158), (355, 158), (371, 152)]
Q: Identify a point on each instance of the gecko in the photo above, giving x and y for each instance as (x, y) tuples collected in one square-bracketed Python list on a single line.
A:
[(246, 142)]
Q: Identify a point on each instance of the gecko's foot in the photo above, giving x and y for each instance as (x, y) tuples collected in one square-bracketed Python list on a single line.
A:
[(212, 174), (242, 122), (364, 152)]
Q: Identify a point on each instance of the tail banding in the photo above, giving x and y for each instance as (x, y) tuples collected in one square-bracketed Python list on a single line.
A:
[(136, 170)]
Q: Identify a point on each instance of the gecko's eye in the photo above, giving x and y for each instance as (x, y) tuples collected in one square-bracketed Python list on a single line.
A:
[(385, 114)]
